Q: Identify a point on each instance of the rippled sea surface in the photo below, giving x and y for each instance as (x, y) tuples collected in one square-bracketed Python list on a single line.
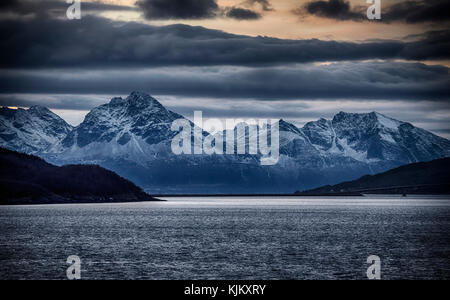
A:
[(230, 238)]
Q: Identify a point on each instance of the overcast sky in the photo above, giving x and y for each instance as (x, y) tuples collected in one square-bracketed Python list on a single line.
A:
[(299, 60)]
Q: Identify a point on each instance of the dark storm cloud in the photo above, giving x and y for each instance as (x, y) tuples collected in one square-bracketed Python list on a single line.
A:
[(405, 11), (99, 42), (8, 3), (331, 9), (178, 9), (430, 44), (53, 7), (242, 14), (195, 9), (152, 9), (419, 11), (362, 80)]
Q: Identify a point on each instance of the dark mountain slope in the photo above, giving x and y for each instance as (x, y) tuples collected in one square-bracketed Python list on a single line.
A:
[(26, 179), (420, 178)]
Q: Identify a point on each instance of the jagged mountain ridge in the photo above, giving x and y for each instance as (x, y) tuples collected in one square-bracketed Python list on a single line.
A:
[(130, 128), (138, 115), (132, 137), (31, 131), (374, 137)]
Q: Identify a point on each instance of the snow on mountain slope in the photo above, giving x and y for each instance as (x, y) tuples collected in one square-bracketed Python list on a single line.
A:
[(374, 138), (31, 131), (136, 128)]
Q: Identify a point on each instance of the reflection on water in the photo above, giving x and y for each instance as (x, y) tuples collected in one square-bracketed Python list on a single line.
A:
[(230, 238)]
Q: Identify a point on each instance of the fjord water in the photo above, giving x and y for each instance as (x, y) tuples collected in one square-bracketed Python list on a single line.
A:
[(230, 238)]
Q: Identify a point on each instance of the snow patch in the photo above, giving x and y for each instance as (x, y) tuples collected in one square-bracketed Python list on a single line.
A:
[(388, 122)]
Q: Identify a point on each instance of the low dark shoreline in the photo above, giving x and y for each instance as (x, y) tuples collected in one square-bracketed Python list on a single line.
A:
[(157, 198), (349, 194), (15, 202), (258, 195)]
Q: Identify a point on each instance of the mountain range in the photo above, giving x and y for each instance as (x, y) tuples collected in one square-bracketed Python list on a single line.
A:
[(132, 136)]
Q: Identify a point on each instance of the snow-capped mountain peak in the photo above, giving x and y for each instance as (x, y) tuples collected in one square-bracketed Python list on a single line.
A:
[(31, 130), (141, 99), (130, 128), (374, 137)]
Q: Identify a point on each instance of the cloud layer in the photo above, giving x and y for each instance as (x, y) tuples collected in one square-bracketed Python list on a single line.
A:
[(49, 8), (178, 9), (242, 14), (332, 9), (419, 11), (357, 80), (411, 11), (198, 9), (98, 42)]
